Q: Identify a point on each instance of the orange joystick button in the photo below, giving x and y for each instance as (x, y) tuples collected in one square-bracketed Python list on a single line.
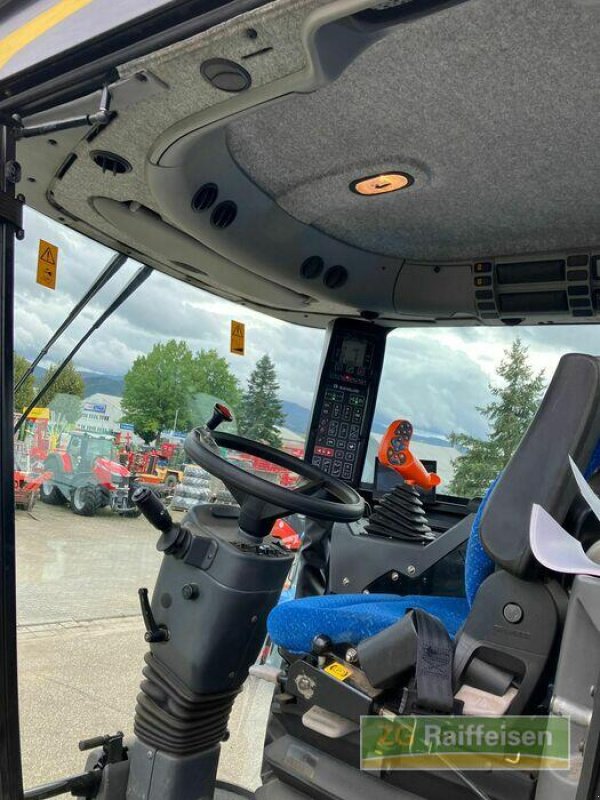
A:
[(394, 452)]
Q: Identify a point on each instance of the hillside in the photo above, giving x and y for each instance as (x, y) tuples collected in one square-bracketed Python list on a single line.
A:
[(296, 416)]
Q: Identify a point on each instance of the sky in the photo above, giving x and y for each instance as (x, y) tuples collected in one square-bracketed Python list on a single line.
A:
[(435, 378)]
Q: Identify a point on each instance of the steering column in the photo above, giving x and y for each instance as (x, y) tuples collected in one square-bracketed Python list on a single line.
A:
[(206, 623)]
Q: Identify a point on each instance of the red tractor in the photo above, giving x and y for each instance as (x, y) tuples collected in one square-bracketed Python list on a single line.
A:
[(85, 476)]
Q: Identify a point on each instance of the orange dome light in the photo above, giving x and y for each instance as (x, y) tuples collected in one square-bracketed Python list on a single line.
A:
[(381, 184)]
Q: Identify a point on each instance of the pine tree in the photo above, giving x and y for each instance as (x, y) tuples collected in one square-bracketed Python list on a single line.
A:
[(509, 414), (261, 414)]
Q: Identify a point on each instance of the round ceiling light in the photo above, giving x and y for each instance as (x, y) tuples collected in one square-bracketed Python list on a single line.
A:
[(381, 184)]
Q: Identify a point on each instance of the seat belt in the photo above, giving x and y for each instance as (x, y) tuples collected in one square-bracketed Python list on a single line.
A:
[(435, 657), (417, 645)]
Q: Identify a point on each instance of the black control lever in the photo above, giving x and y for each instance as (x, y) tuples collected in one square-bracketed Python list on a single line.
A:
[(111, 744), (152, 508), (220, 414), (154, 631), (175, 540)]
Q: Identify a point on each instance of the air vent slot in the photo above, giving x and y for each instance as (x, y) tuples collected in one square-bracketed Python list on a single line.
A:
[(66, 165), (335, 277), (312, 267), (224, 214), (205, 197), (110, 162)]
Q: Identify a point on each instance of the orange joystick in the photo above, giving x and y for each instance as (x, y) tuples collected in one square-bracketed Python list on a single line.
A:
[(394, 452)]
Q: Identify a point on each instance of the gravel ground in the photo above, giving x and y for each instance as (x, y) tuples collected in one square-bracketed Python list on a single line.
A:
[(81, 642)]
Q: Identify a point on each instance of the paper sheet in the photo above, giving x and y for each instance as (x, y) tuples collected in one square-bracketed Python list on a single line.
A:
[(555, 548), (588, 494)]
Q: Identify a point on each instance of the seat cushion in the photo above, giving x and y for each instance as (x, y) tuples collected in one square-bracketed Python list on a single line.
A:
[(353, 617)]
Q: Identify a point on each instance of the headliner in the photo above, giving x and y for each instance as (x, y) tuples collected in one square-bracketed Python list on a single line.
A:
[(492, 107)]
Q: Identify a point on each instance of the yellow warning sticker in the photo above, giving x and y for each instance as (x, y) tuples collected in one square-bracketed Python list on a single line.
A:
[(338, 671), (46, 265), (238, 337)]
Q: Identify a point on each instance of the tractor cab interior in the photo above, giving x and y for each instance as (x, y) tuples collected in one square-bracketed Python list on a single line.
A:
[(356, 167)]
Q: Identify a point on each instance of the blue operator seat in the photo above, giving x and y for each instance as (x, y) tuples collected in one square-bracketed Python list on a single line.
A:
[(350, 618)]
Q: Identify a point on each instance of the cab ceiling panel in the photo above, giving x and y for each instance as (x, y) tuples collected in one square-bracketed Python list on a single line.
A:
[(233, 156), (494, 108)]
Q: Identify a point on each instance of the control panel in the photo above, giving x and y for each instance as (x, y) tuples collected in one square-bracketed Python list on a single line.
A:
[(345, 402)]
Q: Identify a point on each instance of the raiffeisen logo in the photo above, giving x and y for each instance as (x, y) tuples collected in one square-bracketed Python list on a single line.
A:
[(471, 743)]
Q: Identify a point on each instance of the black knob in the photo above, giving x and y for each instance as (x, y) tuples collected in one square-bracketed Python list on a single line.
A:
[(220, 414), (152, 508), (321, 644)]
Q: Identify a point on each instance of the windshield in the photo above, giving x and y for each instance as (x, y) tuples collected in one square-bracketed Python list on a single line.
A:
[(141, 382), (470, 394), (153, 371)]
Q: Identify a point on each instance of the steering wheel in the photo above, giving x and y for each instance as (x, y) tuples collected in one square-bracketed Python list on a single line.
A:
[(262, 502)]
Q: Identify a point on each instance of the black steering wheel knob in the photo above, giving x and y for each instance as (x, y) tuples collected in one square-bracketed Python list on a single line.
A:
[(220, 414)]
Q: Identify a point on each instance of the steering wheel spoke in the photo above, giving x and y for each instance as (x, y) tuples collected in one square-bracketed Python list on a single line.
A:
[(311, 488), (319, 496)]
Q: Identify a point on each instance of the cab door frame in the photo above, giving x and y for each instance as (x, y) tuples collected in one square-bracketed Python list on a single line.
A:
[(11, 776)]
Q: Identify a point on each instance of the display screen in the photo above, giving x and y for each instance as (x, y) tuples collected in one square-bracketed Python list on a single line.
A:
[(531, 272), (352, 354)]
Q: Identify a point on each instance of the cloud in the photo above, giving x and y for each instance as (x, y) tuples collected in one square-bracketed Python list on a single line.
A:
[(434, 377)]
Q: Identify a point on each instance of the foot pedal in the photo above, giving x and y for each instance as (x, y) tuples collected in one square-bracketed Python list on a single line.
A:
[(327, 723)]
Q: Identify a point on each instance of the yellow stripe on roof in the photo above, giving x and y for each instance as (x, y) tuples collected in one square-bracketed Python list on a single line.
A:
[(30, 31)]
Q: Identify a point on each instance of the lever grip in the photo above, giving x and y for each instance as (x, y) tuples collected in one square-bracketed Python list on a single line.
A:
[(220, 414), (152, 508), (394, 452)]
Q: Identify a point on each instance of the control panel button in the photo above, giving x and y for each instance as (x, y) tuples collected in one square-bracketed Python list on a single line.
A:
[(324, 451)]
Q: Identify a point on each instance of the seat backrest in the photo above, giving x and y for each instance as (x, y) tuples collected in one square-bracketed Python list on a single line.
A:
[(478, 565), (567, 423)]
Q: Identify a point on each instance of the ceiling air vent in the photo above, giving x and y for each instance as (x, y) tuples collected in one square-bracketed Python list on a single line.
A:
[(335, 277), (110, 162), (312, 267), (205, 197), (224, 214)]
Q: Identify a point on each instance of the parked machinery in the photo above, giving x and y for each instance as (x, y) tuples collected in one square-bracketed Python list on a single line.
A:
[(85, 475)]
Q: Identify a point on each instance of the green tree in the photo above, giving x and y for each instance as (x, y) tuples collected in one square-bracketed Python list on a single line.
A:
[(260, 413), (68, 382), (65, 410), (515, 402), (158, 390), (213, 376), (26, 393)]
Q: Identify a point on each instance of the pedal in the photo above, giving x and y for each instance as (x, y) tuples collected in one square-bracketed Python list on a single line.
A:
[(327, 723)]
